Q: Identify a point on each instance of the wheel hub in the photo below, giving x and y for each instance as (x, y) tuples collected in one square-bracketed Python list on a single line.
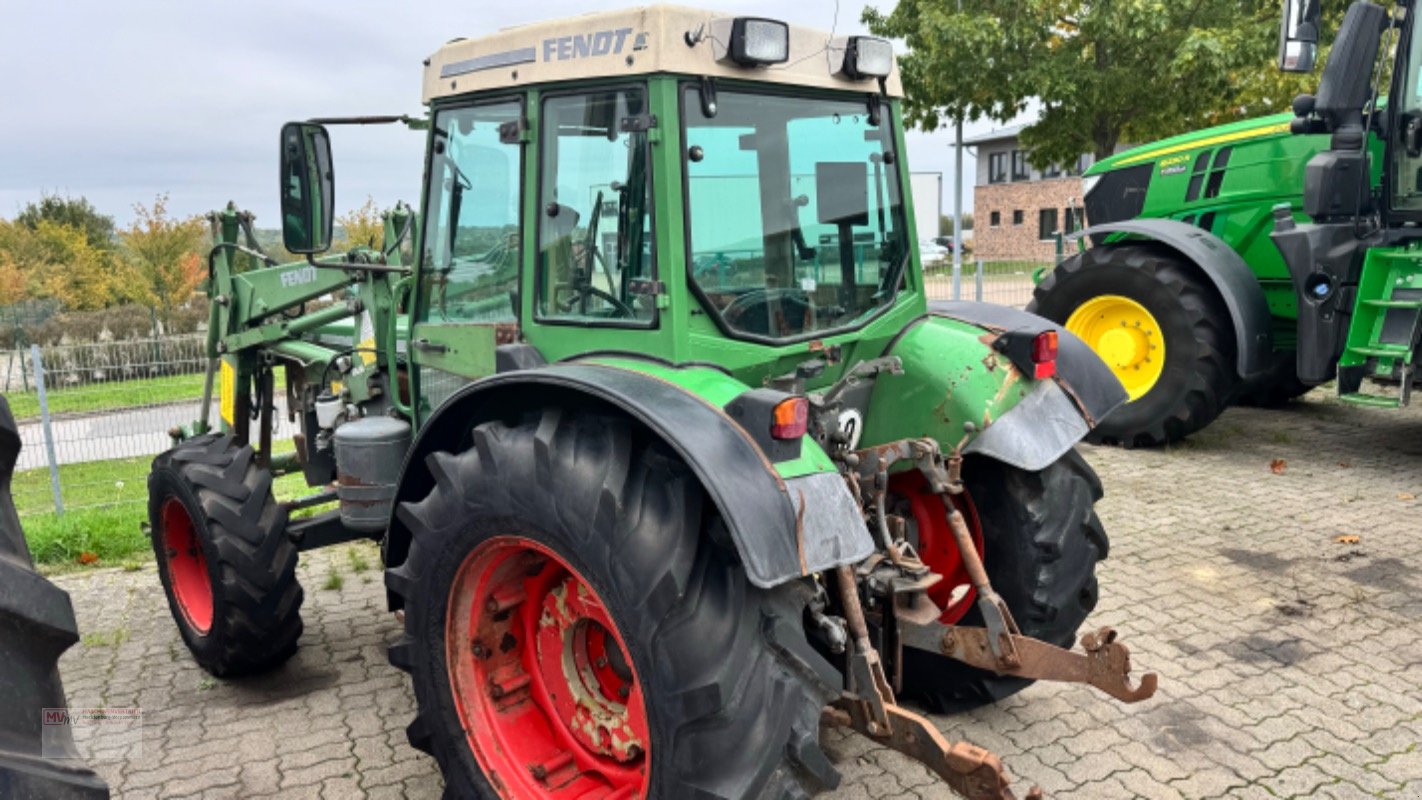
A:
[(540, 677), (187, 566), (1126, 336)]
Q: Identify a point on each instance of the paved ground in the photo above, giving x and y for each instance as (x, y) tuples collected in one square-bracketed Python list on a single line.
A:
[(1289, 661)]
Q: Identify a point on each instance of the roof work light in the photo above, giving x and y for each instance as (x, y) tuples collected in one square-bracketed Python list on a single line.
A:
[(867, 57), (757, 42)]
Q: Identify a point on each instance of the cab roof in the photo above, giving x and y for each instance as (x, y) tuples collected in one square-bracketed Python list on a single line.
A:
[(638, 41)]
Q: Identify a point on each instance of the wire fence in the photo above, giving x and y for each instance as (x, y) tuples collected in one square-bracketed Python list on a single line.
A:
[(92, 416), (1007, 283)]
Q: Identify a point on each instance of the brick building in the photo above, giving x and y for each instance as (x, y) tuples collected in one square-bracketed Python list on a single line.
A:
[(1017, 209)]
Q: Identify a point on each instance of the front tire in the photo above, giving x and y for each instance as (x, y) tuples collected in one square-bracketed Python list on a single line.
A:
[(572, 521), (1041, 541), (227, 567), (1129, 302)]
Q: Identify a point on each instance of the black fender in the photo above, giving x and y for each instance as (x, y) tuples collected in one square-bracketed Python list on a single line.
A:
[(1227, 272), (1058, 412), (782, 528)]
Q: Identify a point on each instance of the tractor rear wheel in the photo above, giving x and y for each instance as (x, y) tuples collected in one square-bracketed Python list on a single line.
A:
[(1161, 329), (223, 556), (573, 630), (1041, 540)]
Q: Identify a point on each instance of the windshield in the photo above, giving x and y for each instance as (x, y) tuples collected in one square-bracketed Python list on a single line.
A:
[(794, 210)]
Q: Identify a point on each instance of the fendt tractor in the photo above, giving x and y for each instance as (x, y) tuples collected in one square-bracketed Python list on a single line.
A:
[(667, 454), (1254, 261)]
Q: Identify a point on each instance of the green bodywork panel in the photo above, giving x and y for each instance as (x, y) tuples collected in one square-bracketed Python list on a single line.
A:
[(953, 381), (1265, 167)]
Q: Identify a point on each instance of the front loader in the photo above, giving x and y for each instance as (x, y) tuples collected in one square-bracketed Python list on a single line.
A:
[(646, 521)]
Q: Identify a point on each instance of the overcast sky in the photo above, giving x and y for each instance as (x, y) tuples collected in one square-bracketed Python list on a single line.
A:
[(120, 101)]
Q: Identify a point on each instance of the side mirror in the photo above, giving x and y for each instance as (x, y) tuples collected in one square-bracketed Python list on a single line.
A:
[(308, 187), (1298, 35)]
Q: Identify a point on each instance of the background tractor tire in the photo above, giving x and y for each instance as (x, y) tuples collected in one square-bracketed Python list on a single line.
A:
[(730, 691), (36, 626), (1041, 542), (225, 561), (1198, 378)]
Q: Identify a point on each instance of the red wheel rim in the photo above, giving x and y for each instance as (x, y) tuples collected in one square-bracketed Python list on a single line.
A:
[(541, 679), (187, 567), (936, 546)]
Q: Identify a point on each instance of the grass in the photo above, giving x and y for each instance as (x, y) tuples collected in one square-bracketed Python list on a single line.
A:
[(116, 492), (107, 396), (334, 581), (112, 638)]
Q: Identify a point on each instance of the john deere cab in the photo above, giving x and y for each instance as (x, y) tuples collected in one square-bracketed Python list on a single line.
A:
[(667, 453)]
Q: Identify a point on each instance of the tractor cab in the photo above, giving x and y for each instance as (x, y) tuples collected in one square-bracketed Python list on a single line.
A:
[(733, 189)]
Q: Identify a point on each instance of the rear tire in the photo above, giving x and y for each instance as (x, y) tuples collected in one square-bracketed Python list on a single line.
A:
[(729, 689), (1041, 542), (1198, 380), (231, 578)]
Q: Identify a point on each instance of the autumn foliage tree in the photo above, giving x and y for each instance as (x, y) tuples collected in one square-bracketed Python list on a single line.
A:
[(363, 226), (162, 258), (54, 260)]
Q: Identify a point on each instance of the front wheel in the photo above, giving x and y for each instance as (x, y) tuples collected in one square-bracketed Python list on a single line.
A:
[(223, 556), (573, 631), (1041, 540), (1160, 328)]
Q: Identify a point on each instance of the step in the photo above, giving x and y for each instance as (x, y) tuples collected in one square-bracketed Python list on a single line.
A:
[(1373, 400), (1381, 351), (1393, 303)]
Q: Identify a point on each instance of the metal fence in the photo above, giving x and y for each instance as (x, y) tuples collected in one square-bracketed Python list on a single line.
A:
[(1007, 283), (92, 416)]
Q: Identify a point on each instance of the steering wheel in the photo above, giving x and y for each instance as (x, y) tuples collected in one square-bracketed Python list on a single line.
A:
[(584, 290), (773, 302)]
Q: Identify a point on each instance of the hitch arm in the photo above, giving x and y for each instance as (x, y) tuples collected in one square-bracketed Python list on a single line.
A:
[(1105, 664)]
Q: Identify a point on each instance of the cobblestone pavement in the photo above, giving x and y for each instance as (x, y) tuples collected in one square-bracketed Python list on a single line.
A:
[(1290, 662)]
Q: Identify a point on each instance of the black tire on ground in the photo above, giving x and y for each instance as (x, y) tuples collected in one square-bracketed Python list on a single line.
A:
[(1280, 386), (1199, 379), (1041, 542), (250, 562), (729, 680), (36, 625)]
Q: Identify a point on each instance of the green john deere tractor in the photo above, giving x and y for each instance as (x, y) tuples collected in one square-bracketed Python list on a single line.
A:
[(667, 453), (1202, 289)]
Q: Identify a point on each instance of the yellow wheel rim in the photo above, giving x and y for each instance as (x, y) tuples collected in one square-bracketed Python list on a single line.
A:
[(1125, 335)]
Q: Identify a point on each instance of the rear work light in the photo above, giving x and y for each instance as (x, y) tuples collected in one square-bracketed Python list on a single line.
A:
[(867, 57), (791, 418), (757, 42)]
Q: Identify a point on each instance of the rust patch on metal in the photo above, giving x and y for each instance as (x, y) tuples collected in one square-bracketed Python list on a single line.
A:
[(507, 333), (1106, 664), (1080, 406), (800, 534), (1013, 376), (990, 361)]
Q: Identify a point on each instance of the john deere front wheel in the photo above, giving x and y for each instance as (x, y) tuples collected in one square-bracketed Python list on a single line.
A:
[(1160, 328)]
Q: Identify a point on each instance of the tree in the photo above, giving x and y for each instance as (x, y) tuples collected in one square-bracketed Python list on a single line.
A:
[(945, 224), (1103, 72), (163, 260), (363, 227), (55, 260), (74, 212)]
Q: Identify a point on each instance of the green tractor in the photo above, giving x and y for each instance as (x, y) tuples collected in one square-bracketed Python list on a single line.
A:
[(1254, 261), (667, 453)]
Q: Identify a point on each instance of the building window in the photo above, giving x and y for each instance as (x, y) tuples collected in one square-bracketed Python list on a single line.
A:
[(1047, 223), (1019, 166), (1074, 220), (997, 167), (1017, 217), (1052, 171), (995, 219)]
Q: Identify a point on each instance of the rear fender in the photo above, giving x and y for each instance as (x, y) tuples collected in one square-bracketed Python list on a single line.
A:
[(783, 526)]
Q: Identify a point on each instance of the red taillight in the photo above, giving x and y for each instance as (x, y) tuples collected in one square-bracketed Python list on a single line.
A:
[(1044, 355), (791, 418)]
